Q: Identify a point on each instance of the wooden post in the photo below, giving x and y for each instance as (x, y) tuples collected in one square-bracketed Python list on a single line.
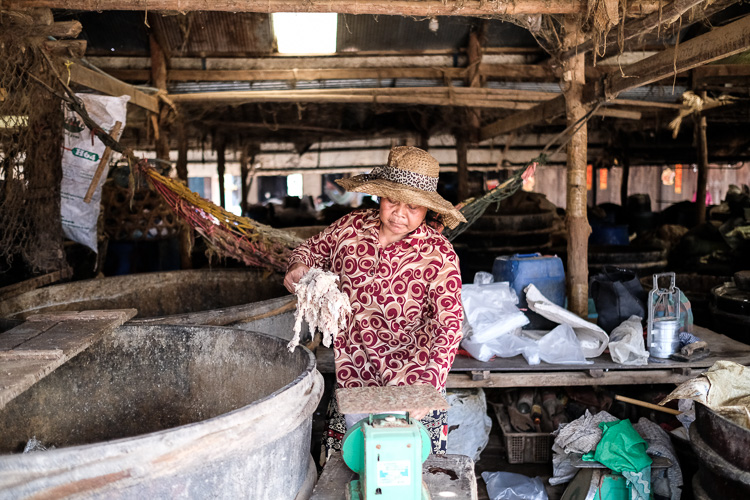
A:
[(159, 80), (700, 195), (244, 174), (43, 171), (573, 81), (182, 152), (462, 165), (625, 158), (473, 77), (186, 236), (221, 168)]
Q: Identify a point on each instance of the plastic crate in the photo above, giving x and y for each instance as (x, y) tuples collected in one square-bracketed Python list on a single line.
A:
[(524, 447)]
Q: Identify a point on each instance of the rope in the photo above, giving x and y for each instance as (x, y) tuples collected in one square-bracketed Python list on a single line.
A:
[(472, 208)]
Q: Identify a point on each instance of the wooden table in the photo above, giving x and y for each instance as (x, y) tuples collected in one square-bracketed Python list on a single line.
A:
[(451, 475), (516, 372)]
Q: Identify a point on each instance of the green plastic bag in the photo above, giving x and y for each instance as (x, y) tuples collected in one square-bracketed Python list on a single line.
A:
[(621, 448)]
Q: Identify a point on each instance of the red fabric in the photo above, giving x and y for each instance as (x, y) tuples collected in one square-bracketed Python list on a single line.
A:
[(405, 298)]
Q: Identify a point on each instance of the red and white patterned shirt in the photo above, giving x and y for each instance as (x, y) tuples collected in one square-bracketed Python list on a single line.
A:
[(405, 298)]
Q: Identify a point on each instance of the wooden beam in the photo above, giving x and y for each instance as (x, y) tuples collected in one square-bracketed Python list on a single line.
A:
[(715, 45), (378, 7), (62, 29), (428, 8), (545, 111), (111, 86), (618, 113), (669, 14), (66, 48), (712, 46), (522, 72)]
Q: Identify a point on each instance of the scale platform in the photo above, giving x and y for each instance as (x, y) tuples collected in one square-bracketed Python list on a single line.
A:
[(388, 399)]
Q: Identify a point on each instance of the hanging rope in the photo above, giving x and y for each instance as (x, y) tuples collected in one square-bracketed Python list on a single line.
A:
[(472, 208)]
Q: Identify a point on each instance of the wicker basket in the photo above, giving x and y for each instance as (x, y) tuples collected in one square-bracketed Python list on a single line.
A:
[(524, 447)]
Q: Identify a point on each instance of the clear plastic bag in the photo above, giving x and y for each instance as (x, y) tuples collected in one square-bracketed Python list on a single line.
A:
[(561, 347), (506, 346), (626, 344), (491, 310), (510, 486)]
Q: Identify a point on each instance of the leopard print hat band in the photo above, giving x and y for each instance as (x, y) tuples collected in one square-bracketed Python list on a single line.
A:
[(406, 177)]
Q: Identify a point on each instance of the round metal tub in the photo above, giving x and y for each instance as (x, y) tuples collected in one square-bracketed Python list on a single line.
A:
[(198, 297), (167, 412), (721, 448)]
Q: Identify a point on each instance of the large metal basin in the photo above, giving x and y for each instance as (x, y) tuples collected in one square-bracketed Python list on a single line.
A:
[(167, 412), (186, 297)]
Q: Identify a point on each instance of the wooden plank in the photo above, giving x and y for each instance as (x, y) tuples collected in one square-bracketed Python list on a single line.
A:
[(717, 44), (24, 332), (111, 86), (550, 379), (50, 340), (446, 476)]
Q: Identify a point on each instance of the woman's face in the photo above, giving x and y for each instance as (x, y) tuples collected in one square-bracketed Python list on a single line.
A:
[(400, 219)]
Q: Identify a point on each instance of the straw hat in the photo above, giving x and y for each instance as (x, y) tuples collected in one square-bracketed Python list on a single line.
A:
[(411, 176)]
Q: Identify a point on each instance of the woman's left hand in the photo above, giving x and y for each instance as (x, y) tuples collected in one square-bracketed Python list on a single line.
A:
[(419, 413)]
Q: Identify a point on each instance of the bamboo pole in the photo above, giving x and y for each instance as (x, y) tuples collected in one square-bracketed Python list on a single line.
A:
[(578, 226)]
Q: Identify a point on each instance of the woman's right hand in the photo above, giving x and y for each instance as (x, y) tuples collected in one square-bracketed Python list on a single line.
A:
[(294, 274)]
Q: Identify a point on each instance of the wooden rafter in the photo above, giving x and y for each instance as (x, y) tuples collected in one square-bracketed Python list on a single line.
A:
[(111, 86), (669, 14), (716, 44), (426, 96), (378, 7), (712, 46)]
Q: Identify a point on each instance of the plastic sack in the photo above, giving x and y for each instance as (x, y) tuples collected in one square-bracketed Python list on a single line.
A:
[(593, 339), (483, 278), (81, 155), (626, 344), (510, 486), (505, 346), (562, 347), (491, 310), (468, 424)]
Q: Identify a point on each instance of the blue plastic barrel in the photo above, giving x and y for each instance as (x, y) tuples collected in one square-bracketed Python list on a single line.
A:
[(544, 271)]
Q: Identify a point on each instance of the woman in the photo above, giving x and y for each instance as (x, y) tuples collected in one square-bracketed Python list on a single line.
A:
[(403, 283)]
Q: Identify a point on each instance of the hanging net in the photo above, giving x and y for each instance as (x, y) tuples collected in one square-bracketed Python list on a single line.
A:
[(226, 234), (31, 123)]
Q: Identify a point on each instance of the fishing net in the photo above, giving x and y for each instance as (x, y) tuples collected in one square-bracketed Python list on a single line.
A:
[(31, 124)]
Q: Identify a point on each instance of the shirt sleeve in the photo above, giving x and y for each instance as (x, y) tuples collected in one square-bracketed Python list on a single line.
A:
[(444, 322), (318, 250)]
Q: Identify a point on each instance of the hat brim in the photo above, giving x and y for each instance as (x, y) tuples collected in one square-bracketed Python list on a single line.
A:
[(388, 189)]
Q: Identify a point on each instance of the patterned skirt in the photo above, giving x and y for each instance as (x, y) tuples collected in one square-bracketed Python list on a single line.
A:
[(435, 422)]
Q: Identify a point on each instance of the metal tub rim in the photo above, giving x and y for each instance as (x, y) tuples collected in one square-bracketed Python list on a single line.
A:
[(126, 461)]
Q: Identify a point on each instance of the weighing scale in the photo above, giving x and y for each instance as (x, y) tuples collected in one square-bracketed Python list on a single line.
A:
[(387, 449)]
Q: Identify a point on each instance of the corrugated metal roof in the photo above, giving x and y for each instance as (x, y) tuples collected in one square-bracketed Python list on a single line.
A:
[(206, 34), (379, 33)]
